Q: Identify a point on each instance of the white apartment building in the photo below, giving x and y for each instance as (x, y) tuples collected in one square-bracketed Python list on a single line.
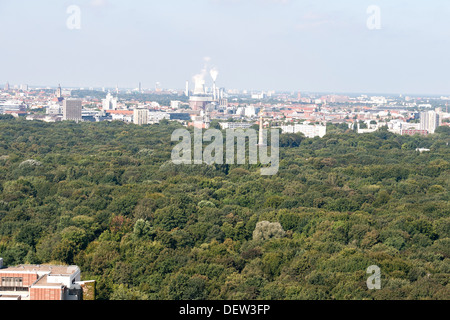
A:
[(235, 125), (310, 131), (430, 121), (110, 103), (157, 116), (140, 116)]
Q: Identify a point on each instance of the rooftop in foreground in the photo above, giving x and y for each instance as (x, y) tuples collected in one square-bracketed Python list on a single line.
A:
[(49, 269)]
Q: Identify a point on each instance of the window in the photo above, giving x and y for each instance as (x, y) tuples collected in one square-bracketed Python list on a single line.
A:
[(18, 282), (7, 282), (11, 282)]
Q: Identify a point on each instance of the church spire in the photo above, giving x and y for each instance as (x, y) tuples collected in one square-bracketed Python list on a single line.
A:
[(59, 91)]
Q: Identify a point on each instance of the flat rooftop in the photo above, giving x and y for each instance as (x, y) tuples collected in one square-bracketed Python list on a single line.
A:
[(43, 282), (10, 297), (46, 269)]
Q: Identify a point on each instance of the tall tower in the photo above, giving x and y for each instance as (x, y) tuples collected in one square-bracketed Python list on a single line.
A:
[(7, 86), (187, 89), (261, 128), (207, 119), (59, 91), (214, 73)]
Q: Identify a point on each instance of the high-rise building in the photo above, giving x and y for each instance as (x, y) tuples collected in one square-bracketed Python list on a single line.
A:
[(7, 86), (72, 110), (430, 121), (109, 103), (223, 103), (140, 116)]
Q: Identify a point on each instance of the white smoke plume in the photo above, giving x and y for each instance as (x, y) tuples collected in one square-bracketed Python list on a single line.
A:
[(199, 79), (214, 73)]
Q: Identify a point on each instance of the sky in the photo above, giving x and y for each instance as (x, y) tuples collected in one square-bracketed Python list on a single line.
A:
[(281, 45)]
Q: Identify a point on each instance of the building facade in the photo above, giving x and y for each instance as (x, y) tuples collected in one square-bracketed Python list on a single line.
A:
[(140, 116), (412, 132), (72, 110), (310, 131), (109, 103), (430, 121), (235, 125)]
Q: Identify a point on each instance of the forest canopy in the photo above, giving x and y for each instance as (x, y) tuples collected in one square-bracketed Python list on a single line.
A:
[(106, 197)]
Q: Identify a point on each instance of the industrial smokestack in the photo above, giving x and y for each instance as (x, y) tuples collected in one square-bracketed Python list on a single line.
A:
[(214, 91), (214, 74)]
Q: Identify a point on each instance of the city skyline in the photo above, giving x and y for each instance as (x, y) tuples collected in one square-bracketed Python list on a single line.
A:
[(255, 45), (239, 91)]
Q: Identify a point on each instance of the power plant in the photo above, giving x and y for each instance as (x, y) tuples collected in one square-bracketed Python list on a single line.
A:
[(200, 98)]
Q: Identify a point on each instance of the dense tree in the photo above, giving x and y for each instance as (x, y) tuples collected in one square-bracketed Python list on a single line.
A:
[(105, 196)]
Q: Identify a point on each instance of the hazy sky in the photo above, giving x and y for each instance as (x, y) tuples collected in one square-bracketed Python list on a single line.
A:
[(306, 45)]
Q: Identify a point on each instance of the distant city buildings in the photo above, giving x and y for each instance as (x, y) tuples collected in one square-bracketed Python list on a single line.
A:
[(72, 110), (200, 99), (54, 109), (310, 131), (157, 116), (258, 96), (412, 132), (121, 115), (59, 94), (231, 108), (109, 103), (235, 125), (11, 106), (429, 121), (140, 116), (175, 104), (378, 100), (247, 111)]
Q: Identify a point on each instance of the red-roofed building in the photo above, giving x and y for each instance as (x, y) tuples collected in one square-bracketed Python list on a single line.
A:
[(44, 282)]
